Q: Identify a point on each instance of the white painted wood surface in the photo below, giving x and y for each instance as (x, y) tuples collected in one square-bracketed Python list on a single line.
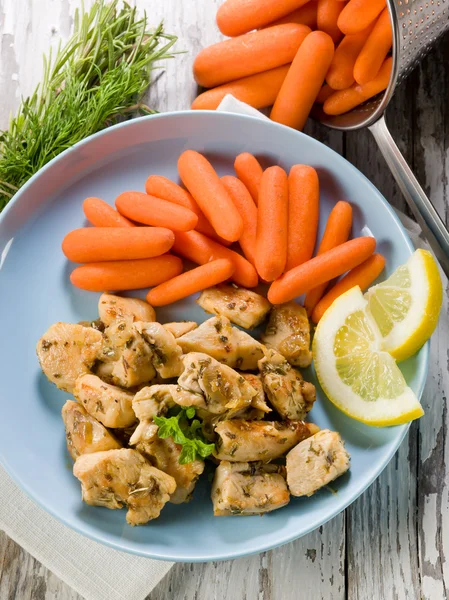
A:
[(391, 543)]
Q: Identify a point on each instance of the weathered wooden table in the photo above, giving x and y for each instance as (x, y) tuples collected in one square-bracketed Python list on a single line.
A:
[(391, 542)]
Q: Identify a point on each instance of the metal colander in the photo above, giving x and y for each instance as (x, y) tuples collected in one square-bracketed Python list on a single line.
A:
[(417, 24)]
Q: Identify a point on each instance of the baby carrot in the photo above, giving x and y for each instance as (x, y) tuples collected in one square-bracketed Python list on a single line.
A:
[(363, 276), (345, 100), (94, 244), (235, 17), (320, 269), (248, 211), (189, 283), (150, 210), (304, 80), (324, 94), (338, 228), (101, 214), (305, 15), (272, 224), (375, 49), (200, 249), (249, 172), (249, 54), (358, 14), (163, 188), (327, 17), (258, 90), (126, 274), (200, 178), (341, 72), (303, 214)]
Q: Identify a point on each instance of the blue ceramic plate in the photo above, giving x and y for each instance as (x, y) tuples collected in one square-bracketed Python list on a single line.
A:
[(35, 292)]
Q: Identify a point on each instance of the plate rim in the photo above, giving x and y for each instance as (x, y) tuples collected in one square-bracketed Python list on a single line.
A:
[(289, 537)]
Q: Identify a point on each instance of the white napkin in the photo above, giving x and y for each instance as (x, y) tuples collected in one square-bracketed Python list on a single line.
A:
[(232, 105), (95, 571)]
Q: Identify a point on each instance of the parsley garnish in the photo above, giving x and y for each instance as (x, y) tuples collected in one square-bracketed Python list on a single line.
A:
[(186, 434)]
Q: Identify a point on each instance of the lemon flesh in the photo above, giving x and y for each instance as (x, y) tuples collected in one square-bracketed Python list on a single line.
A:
[(356, 374), (407, 305)]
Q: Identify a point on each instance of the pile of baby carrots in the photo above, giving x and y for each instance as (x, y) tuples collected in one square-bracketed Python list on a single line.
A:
[(294, 54), (269, 216)]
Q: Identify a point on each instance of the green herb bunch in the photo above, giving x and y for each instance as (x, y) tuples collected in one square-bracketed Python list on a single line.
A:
[(93, 81), (187, 433)]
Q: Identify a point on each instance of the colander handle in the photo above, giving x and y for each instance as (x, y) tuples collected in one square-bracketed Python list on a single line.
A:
[(423, 210)]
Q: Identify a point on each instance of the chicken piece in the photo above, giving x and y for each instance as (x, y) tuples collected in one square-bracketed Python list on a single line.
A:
[(287, 391), (134, 367), (124, 435), (222, 388), (316, 462), (104, 371), (97, 324), (116, 338), (255, 411), (242, 307), (248, 489), (140, 349), (258, 402), (118, 478), (209, 422), (217, 338), (246, 441), (248, 414), (150, 402), (114, 308), (166, 352), (67, 351), (125, 346), (107, 403), (83, 433), (180, 328), (164, 455), (156, 400), (288, 332)]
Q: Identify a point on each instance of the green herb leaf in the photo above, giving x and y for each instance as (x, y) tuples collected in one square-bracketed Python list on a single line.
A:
[(97, 79), (188, 453), (204, 449), (188, 435), (167, 426), (190, 412), (195, 426)]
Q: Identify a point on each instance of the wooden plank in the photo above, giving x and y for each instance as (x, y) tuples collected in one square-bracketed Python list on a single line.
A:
[(27, 31), (24, 578), (361, 149), (382, 544), (382, 540), (312, 566), (194, 24), (432, 168)]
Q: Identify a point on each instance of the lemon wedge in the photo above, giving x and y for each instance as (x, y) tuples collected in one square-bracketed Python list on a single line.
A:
[(407, 305), (356, 374)]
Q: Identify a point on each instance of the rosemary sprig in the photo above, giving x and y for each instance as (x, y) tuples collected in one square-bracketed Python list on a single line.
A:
[(96, 79)]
